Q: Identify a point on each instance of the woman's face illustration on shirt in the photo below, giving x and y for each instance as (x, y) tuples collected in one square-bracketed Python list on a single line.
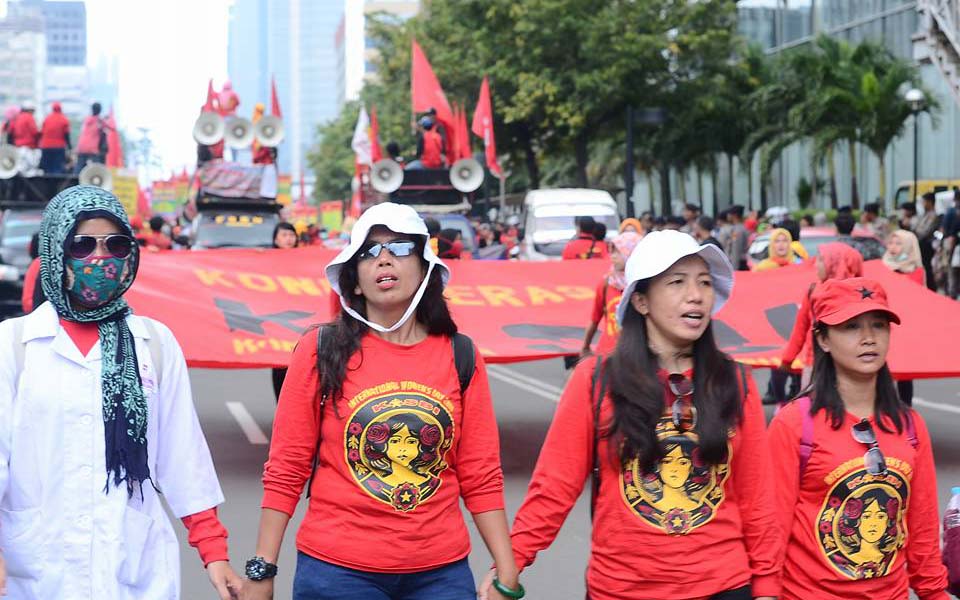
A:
[(873, 523), (675, 468), (402, 447)]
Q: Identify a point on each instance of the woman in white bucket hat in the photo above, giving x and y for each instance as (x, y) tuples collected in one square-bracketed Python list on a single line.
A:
[(397, 413), (672, 431)]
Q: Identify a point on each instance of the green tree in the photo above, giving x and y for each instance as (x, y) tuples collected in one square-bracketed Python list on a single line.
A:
[(332, 159)]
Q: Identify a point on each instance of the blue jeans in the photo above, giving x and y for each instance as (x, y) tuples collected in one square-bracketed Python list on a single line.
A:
[(319, 580)]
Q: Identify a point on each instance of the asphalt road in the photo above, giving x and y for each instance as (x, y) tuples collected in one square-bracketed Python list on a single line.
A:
[(236, 411)]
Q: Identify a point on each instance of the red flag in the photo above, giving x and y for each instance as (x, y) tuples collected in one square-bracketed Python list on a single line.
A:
[(274, 100), (375, 152), (114, 149), (208, 106), (426, 93), (483, 127)]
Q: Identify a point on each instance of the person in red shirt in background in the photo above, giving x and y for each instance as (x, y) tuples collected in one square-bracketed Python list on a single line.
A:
[(24, 132), (607, 297), (9, 116), (92, 144), (32, 295), (835, 260), (856, 487), (673, 431), (585, 245), (54, 142), (382, 428), (431, 150), (157, 239), (227, 100), (262, 155)]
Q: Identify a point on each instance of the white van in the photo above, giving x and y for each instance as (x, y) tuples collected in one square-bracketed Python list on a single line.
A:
[(548, 219)]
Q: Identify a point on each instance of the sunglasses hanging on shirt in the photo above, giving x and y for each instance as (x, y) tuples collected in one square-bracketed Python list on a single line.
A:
[(873, 460), (684, 413)]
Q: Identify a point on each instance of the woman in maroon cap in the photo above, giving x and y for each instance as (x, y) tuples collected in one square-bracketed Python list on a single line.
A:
[(856, 485)]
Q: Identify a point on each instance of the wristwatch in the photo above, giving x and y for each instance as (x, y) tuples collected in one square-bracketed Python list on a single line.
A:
[(259, 569)]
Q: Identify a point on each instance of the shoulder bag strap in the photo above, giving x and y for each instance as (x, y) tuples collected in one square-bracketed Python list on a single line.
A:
[(911, 430), (597, 399), (465, 360), (321, 402)]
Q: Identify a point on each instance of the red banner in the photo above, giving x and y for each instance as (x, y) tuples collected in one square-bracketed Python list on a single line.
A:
[(246, 308)]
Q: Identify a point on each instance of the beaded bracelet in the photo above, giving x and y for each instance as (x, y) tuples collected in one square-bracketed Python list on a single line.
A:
[(509, 593)]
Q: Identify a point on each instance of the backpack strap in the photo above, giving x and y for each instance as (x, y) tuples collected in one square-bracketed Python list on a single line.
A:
[(465, 359), (155, 348), (596, 397), (806, 431), (911, 430), (744, 390), (321, 402)]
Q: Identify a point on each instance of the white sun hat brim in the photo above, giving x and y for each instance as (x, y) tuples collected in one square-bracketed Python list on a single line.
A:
[(660, 250), (398, 218)]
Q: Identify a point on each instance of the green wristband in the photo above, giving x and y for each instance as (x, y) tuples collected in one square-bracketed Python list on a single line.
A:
[(509, 593)]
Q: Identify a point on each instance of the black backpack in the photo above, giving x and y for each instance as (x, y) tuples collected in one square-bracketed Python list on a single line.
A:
[(464, 357)]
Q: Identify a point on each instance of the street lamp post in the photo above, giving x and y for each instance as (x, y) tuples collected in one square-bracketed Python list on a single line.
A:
[(916, 99)]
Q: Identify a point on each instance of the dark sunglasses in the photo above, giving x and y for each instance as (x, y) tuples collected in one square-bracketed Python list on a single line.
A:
[(873, 460), (398, 248), (117, 244), (684, 412)]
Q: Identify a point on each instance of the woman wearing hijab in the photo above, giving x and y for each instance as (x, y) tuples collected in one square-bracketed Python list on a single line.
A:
[(856, 487), (673, 433), (607, 297), (98, 418), (903, 255), (835, 260), (779, 252), (387, 413)]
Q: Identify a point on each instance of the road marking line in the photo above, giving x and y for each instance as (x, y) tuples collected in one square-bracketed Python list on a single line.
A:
[(504, 377), (526, 378), (936, 405), (246, 422)]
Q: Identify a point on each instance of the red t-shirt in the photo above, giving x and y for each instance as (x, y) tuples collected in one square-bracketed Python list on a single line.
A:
[(55, 130), (89, 142), (605, 303), (714, 531), (829, 513), (24, 130), (432, 156), (399, 450), (584, 246), (801, 338)]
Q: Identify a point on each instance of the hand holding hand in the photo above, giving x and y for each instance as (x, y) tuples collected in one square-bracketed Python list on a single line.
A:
[(228, 584), (257, 590)]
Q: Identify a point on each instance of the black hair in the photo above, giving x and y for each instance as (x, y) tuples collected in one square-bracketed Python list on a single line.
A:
[(807, 218), (637, 394), (929, 197), (706, 223), (341, 338), (599, 231), (156, 223), (793, 227), (692, 207), (676, 220), (824, 395), (35, 245), (846, 209), (736, 210), (844, 223), (910, 206), (433, 226), (393, 149), (96, 108), (445, 241), (871, 207), (283, 225), (586, 224)]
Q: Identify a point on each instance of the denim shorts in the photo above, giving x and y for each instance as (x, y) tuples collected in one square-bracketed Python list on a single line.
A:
[(319, 580)]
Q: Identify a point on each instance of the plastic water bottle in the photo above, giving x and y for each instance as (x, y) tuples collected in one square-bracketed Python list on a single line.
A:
[(951, 519)]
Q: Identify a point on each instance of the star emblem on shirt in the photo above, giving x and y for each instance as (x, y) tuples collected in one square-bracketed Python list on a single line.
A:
[(865, 293)]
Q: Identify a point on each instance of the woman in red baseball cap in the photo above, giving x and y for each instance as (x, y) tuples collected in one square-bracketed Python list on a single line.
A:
[(856, 486)]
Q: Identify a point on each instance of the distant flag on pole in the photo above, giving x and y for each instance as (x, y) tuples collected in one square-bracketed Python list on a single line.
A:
[(426, 93), (208, 106), (274, 100), (483, 127), (361, 144)]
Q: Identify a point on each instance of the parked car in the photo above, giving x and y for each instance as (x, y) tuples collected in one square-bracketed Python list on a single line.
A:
[(17, 226), (549, 219), (812, 237)]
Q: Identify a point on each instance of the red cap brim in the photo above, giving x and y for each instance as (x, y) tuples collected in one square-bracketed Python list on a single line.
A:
[(852, 310)]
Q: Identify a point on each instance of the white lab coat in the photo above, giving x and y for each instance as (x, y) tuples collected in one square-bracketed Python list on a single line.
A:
[(61, 535)]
